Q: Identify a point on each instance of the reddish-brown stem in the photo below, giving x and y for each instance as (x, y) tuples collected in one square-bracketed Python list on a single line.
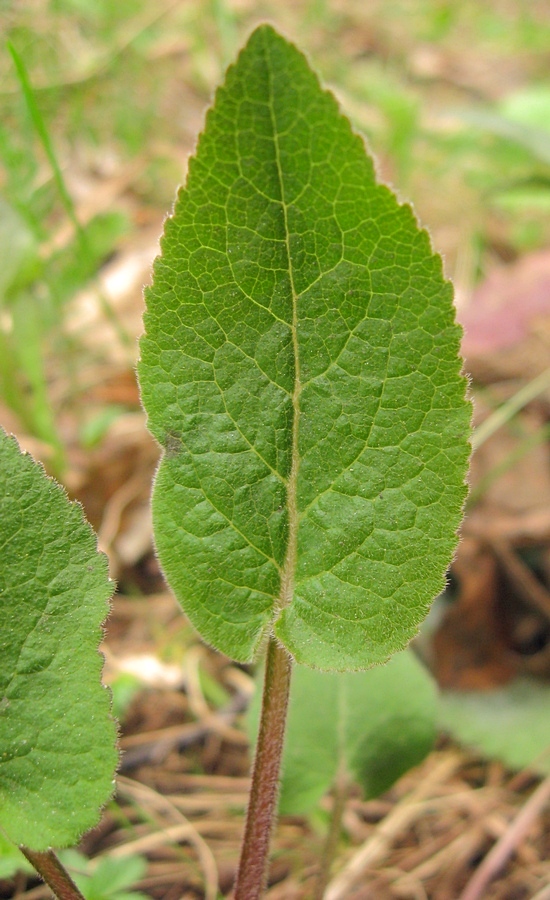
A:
[(252, 872), (53, 873)]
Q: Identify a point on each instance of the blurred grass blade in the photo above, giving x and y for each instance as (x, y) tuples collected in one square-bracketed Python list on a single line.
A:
[(524, 447), (533, 139), (44, 136), (508, 410), (66, 199)]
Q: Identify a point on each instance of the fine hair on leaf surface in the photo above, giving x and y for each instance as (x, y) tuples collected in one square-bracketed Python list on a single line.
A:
[(56, 730), (300, 367)]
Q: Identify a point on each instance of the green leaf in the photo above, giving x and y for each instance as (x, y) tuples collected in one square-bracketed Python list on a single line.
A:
[(369, 727), (57, 736), (510, 723), (300, 369), (105, 878), (12, 860)]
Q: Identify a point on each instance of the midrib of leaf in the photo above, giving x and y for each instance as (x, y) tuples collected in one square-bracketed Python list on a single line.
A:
[(289, 574), (289, 566)]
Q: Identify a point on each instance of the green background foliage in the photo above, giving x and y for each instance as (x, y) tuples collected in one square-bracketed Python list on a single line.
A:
[(509, 723), (57, 736), (364, 728), (300, 368)]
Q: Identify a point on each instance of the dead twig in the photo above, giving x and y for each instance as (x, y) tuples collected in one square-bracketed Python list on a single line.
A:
[(182, 831), (498, 856), (377, 846), (154, 747)]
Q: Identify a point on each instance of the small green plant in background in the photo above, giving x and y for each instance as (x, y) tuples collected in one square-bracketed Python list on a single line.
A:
[(106, 878), (300, 369)]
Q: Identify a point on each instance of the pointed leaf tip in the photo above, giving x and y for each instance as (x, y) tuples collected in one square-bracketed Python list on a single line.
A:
[(300, 368)]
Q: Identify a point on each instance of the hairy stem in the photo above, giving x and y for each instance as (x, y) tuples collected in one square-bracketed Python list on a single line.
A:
[(252, 872), (53, 873)]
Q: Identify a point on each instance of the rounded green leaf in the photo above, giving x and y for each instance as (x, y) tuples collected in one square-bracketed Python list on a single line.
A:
[(57, 736), (367, 727), (300, 369), (510, 723)]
